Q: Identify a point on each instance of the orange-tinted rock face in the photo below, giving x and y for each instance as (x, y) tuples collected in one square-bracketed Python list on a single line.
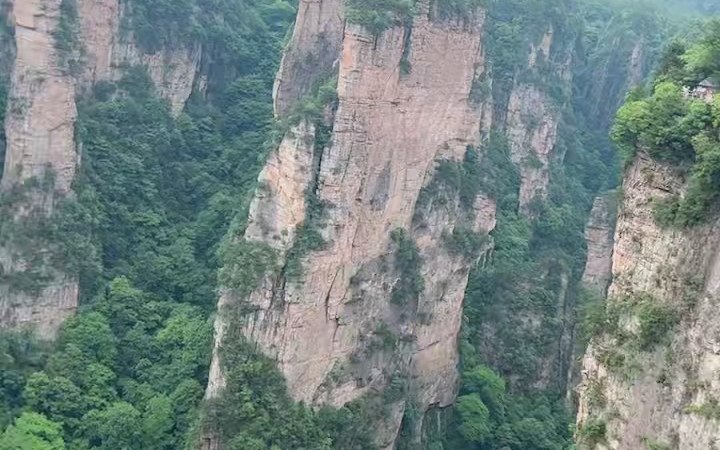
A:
[(390, 128), (41, 108)]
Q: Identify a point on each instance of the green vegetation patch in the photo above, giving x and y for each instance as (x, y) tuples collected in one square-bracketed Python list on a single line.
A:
[(45, 245), (465, 242), (67, 40), (656, 323), (452, 9), (244, 264), (670, 125), (652, 444), (591, 433), (709, 410), (130, 373), (407, 264), (452, 180), (379, 15)]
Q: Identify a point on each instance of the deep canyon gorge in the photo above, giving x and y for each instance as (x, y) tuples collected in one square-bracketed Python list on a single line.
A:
[(359, 224)]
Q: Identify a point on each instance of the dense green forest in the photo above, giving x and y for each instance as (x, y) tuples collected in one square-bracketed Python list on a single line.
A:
[(157, 194)]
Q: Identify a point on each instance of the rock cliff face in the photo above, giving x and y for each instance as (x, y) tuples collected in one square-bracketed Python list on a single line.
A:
[(41, 109), (599, 238), (62, 48), (531, 122), (312, 53), (391, 128), (597, 275), (532, 133), (39, 129), (651, 378), (107, 49)]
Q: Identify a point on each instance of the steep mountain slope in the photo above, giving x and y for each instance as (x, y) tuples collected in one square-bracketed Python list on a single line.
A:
[(354, 233), (403, 106), (650, 374), (405, 270), (61, 48)]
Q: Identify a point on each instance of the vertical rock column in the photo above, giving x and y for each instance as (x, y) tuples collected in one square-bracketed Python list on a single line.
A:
[(404, 104), (599, 237), (39, 126), (661, 390), (39, 123)]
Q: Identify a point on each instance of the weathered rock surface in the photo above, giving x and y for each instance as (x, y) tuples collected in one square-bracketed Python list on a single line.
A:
[(312, 53), (532, 134), (39, 127), (597, 276), (40, 123), (599, 238), (41, 107), (390, 129), (107, 50), (275, 212), (663, 394)]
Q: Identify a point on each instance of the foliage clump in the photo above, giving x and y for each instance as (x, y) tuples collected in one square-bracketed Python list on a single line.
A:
[(407, 264), (379, 15), (231, 31), (709, 410), (129, 374), (452, 181), (450, 9), (67, 41), (465, 242), (592, 433), (487, 415), (672, 126), (32, 431), (244, 263), (656, 323)]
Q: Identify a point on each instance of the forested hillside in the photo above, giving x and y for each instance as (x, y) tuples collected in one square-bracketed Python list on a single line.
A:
[(155, 195), (158, 199)]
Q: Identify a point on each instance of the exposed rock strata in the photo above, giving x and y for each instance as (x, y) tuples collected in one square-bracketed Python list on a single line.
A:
[(106, 51), (599, 238), (41, 107), (662, 394), (532, 133), (39, 127), (312, 53), (390, 129), (40, 123)]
